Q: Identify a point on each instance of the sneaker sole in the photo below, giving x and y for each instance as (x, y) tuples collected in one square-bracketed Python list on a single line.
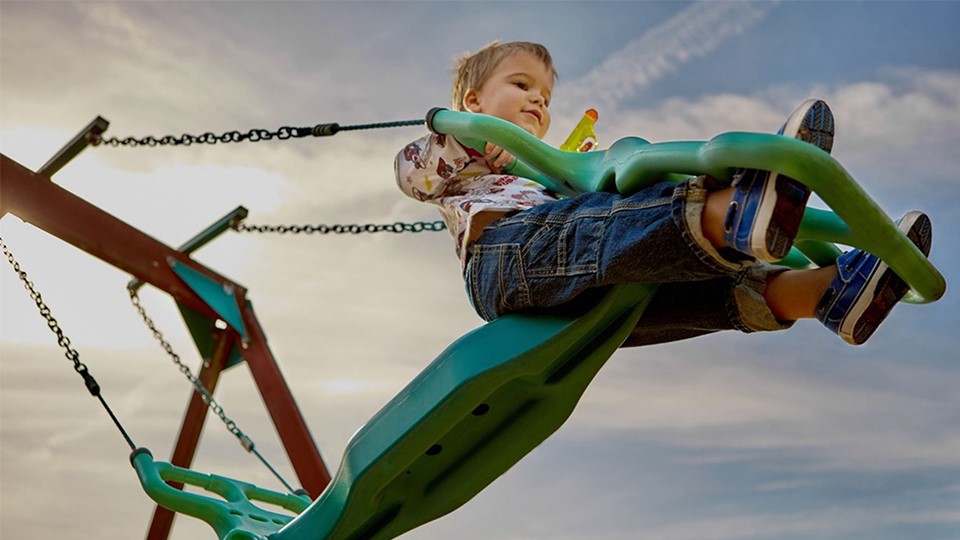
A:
[(816, 127), (884, 287)]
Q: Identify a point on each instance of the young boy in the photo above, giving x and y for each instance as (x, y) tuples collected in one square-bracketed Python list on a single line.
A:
[(522, 247)]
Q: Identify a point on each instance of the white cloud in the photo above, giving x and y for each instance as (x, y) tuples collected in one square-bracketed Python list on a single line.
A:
[(692, 33), (736, 410), (895, 134), (352, 319)]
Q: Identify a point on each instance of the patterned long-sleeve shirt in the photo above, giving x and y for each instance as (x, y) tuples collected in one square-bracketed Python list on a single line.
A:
[(437, 169)]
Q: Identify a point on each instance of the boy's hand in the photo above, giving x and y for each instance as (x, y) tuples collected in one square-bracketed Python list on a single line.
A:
[(497, 158)]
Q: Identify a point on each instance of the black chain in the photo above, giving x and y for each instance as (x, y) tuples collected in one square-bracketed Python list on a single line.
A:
[(245, 441), (396, 228), (254, 135), (92, 386)]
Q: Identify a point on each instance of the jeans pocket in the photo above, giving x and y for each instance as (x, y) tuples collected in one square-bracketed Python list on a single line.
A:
[(496, 280), (568, 248)]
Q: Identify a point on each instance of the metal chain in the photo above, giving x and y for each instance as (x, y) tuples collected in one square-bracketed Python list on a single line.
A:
[(204, 394), (62, 340), (254, 135), (396, 228), (94, 387), (208, 399), (89, 381)]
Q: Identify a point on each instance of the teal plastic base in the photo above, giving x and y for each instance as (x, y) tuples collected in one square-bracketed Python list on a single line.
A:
[(489, 399)]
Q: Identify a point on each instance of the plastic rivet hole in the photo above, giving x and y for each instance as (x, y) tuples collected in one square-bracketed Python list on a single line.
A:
[(434, 450), (481, 409)]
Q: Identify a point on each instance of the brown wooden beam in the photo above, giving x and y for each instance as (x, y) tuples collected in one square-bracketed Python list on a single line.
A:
[(36, 200), (291, 427), (192, 426)]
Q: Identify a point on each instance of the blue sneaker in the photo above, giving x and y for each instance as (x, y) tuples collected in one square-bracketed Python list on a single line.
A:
[(767, 207), (866, 289)]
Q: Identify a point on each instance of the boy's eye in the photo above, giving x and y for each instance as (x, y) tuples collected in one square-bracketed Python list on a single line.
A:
[(521, 85)]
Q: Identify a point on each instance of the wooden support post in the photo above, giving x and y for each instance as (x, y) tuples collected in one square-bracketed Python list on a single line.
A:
[(192, 426), (290, 424)]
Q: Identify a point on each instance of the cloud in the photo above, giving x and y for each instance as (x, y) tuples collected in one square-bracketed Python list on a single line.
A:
[(352, 319), (805, 524), (692, 33), (895, 133), (731, 409)]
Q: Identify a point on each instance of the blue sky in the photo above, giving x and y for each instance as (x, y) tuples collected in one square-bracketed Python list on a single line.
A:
[(789, 435)]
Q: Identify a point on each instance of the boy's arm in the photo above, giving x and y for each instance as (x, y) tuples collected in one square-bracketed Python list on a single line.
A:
[(425, 167)]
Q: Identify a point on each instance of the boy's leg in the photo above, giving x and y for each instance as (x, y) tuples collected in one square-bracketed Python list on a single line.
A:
[(767, 207), (794, 294), (851, 298), (687, 310), (548, 255)]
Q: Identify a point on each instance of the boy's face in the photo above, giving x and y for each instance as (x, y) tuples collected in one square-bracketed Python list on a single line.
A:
[(518, 91)]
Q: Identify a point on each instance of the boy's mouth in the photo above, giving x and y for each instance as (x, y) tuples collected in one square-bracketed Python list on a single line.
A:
[(535, 114)]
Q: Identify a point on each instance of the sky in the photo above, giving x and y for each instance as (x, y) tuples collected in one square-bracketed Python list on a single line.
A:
[(786, 435)]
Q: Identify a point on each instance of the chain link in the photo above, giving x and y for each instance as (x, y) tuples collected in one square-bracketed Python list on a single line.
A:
[(94, 388), (396, 228), (52, 323), (88, 379), (254, 135), (208, 399), (204, 394)]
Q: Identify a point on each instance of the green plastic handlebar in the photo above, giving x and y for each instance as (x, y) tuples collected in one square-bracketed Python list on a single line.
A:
[(633, 163), (233, 516)]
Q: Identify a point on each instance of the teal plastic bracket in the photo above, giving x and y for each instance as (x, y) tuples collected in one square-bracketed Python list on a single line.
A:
[(203, 329), (220, 298)]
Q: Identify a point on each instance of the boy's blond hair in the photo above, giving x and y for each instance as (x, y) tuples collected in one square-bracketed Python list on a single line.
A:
[(472, 70)]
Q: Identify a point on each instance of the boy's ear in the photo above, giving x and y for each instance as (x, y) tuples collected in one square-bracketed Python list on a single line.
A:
[(471, 101)]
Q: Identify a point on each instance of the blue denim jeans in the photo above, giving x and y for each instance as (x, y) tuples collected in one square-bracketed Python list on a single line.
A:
[(552, 254)]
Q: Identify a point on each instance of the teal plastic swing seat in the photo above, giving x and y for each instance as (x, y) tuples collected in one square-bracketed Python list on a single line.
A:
[(489, 399), (496, 393)]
